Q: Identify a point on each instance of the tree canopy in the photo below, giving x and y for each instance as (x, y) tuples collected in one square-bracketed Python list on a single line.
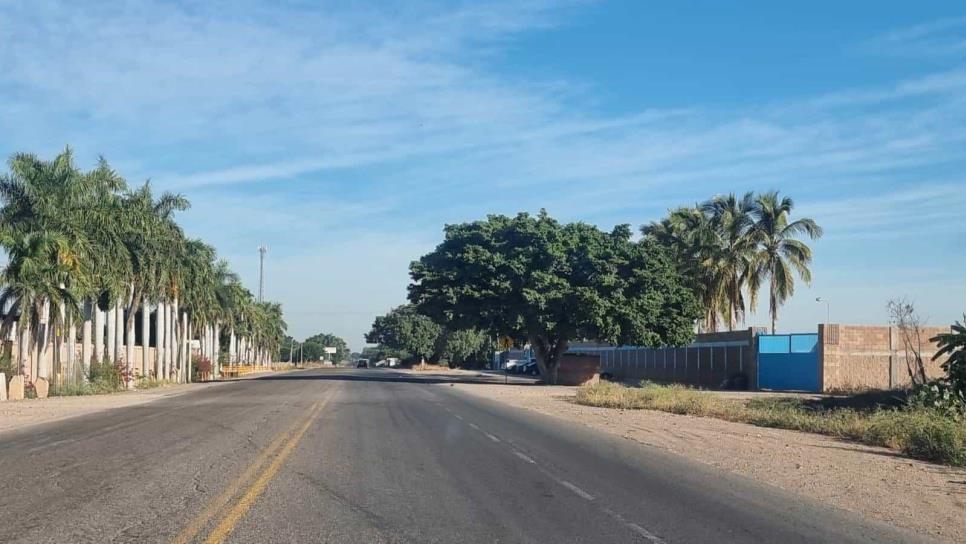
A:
[(539, 281), (407, 332)]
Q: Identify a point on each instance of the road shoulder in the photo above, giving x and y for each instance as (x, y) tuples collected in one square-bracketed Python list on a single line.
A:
[(24, 414), (873, 482)]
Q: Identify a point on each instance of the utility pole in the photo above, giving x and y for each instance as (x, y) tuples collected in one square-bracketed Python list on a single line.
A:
[(261, 272)]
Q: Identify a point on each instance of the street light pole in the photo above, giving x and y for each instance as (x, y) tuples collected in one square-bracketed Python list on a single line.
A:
[(261, 272), (828, 309)]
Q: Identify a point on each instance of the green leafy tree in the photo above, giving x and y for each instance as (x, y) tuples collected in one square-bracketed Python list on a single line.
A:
[(324, 340), (467, 348), (545, 283), (406, 331)]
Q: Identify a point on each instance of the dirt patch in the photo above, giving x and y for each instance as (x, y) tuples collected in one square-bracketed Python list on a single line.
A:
[(16, 415), (875, 482)]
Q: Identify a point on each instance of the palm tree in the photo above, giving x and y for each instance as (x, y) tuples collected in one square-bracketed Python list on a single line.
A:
[(732, 221), (780, 255), (152, 240), (74, 236)]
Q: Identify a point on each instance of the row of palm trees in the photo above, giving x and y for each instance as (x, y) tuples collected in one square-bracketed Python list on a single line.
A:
[(87, 256), (730, 247)]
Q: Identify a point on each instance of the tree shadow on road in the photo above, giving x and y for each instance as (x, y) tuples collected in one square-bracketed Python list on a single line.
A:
[(388, 376)]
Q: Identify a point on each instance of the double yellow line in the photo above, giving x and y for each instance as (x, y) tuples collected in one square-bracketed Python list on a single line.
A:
[(246, 488)]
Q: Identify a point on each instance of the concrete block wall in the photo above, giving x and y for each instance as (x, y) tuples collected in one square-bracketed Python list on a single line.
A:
[(857, 357)]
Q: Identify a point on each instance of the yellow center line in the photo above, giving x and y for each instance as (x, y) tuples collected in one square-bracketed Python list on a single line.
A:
[(218, 503), (244, 504)]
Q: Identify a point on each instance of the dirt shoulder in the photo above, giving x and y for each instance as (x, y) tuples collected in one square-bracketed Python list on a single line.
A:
[(21, 414), (874, 482)]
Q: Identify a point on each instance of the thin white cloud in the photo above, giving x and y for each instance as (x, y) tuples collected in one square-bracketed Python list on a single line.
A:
[(941, 37)]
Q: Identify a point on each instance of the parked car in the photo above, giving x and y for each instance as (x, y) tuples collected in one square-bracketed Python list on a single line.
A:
[(362, 363), (531, 368), (513, 366)]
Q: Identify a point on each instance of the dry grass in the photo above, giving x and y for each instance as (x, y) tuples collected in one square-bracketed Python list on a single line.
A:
[(919, 433)]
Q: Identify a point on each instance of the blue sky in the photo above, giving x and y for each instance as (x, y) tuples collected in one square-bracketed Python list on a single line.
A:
[(345, 134)]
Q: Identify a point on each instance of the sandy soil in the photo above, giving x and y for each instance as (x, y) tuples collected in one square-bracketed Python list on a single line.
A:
[(875, 482), (16, 415)]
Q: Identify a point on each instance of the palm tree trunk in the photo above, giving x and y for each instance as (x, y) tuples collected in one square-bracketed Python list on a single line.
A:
[(158, 363), (189, 364), (173, 339), (129, 356), (98, 334), (145, 336), (119, 333), (217, 345), (71, 351), (231, 346), (176, 340), (185, 347), (43, 369), (773, 305), (111, 332), (86, 347)]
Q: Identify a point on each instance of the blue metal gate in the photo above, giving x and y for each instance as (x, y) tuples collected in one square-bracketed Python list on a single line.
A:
[(788, 362)]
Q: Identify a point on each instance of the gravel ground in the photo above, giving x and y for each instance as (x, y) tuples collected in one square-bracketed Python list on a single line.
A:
[(875, 482)]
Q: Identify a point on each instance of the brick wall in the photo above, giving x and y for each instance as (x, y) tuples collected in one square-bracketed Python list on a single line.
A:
[(856, 357)]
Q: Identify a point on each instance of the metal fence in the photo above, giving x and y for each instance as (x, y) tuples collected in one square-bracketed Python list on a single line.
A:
[(707, 365)]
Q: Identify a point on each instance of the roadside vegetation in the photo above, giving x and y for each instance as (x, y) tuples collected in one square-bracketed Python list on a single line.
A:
[(730, 248), (916, 426), (93, 260)]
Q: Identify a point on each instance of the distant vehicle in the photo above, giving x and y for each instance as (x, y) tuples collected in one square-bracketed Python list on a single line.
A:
[(514, 366), (362, 363), (531, 368), (388, 362)]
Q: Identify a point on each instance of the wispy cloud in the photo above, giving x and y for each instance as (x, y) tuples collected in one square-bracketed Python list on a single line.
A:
[(366, 128), (941, 37)]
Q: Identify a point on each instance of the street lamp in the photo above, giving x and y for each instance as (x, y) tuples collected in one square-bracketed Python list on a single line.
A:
[(828, 309)]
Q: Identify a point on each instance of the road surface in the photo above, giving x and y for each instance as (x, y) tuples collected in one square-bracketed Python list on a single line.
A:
[(374, 456)]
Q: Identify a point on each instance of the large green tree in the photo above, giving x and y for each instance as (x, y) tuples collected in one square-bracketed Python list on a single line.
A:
[(545, 283), (408, 332), (327, 340)]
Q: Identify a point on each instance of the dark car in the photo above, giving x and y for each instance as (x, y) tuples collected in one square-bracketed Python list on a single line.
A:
[(531, 368), (362, 363)]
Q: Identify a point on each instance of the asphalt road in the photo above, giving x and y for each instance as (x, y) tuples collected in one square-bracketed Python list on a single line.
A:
[(375, 456)]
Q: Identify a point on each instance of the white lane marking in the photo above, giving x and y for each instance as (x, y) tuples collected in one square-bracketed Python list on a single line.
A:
[(580, 492), (474, 426), (633, 526), (491, 437), (459, 417), (524, 457)]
